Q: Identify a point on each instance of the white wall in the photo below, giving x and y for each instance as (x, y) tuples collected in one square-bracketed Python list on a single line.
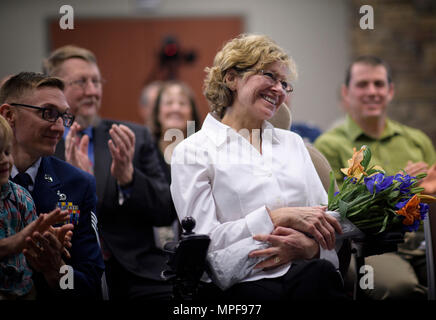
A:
[(314, 32)]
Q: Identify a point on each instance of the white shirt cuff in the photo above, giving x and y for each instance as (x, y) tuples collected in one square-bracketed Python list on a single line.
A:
[(259, 221)]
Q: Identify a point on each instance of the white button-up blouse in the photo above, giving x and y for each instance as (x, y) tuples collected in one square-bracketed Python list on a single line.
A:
[(223, 182)]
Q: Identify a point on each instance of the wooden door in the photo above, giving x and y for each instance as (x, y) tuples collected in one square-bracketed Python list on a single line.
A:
[(127, 52)]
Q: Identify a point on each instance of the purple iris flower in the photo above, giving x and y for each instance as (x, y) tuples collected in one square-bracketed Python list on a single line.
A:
[(380, 181), (401, 204), (413, 227), (406, 182), (423, 210)]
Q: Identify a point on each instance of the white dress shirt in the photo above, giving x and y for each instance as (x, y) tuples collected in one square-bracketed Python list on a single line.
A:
[(225, 184)]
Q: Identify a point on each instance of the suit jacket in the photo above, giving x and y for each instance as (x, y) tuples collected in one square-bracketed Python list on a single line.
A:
[(57, 181), (127, 229)]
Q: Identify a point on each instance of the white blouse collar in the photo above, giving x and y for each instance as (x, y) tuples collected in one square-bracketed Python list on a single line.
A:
[(218, 132)]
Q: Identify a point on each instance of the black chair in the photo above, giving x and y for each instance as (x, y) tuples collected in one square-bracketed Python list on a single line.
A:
[(368, 246), (187, 262)]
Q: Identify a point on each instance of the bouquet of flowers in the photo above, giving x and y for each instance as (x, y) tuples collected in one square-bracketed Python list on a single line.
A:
[(375, 202)]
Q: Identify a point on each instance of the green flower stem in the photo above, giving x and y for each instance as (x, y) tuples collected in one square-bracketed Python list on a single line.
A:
[(374, 220)]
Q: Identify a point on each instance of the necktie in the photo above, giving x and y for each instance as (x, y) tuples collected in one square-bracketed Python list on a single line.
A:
[(23, 179)]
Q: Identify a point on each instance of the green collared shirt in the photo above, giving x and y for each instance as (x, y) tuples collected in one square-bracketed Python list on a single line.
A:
[(397, 145)]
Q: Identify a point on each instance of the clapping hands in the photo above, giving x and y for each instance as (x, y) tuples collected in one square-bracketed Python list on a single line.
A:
[(76, 149), (122, 149), (45, 245)]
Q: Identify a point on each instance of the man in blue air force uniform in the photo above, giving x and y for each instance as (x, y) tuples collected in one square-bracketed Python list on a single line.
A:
[(36, 108)]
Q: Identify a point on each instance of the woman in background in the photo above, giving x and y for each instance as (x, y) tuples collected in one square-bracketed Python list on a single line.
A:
[(174, 116), (175, 106)]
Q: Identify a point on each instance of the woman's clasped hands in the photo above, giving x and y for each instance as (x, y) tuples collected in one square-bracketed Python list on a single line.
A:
[(298, 234)]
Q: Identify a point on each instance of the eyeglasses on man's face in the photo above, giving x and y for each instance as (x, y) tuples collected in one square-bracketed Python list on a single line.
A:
[(50, 114), (82, 83)]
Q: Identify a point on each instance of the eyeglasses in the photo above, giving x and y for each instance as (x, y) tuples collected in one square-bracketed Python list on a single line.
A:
[(272, 77), (50, 114), (82, 83)]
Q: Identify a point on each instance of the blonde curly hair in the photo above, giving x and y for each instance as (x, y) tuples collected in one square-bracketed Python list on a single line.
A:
[(244, 54)]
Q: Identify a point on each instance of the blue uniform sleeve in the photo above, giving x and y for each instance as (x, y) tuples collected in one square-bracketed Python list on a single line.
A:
[(87, 261)]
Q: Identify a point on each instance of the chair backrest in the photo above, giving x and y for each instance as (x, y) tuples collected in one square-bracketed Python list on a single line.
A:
[(283, 119), (321, 165), (186, 261)]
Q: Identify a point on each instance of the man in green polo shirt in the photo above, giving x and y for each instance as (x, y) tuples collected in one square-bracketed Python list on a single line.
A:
[(366, 93)]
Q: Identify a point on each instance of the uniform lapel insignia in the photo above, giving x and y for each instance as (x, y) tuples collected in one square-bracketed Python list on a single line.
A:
[(48, 178), (62, 196)]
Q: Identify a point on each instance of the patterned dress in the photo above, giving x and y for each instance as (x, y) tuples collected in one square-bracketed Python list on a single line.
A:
[(17, 210)]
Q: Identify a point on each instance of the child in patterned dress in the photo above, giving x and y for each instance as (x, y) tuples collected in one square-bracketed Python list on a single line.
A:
[(18, 220)]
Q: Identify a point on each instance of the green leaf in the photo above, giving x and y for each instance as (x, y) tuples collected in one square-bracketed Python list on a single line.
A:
[(331, 192), (413, 185), (343, 208), (393, 195), (421, 175), (385, 223), (371, 171), (366, 157), (417, 190)]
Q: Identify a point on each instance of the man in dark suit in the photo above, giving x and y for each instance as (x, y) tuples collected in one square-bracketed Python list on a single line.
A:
[(133, 195), (36, 108)]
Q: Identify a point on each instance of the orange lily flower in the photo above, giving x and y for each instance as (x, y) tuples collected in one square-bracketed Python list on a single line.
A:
[(355, 169), (410, 211)]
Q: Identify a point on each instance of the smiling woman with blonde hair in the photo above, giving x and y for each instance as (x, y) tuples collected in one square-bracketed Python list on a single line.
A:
[(241, 54), (252, 187)]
